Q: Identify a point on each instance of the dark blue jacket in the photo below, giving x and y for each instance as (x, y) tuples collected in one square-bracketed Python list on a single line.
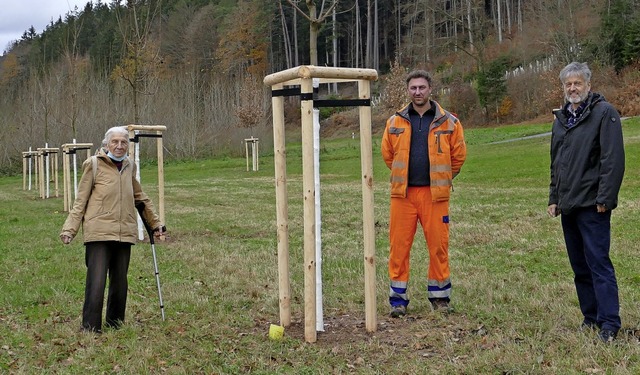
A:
[(587, 160)]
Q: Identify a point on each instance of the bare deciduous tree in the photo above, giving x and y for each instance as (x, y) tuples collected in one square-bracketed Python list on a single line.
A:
[(75, 67), (315, 21), (140, 65)]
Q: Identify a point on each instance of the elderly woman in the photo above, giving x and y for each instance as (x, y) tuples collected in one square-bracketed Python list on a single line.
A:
[(105, 206)]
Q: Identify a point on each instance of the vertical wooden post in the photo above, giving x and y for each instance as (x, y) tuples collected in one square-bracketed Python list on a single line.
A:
[(43, 174), (309, 212), (24, 171), (368, 221), (254, 154), (282, 207), (132, 136), (36, 168), (161, 179), (246, 152), (36, 165), (66, 179), (55, 173)]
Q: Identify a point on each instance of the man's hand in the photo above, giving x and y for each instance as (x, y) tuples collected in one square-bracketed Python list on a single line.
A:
[(65, 239), (552, 210), (601, 208)]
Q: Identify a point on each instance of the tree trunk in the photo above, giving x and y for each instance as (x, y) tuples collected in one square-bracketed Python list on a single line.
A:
[(520, 15), (508, 10), (455, 26), (134, 86), (72, 56), (430, 31), (471, 46), (334, 44), (376, 43), (368, 57), (295, 38), (285, 34), (398, 27), (313, 33), (499, 21), (357, 36)]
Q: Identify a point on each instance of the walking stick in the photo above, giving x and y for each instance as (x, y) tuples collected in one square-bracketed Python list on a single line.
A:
[(140, 208)]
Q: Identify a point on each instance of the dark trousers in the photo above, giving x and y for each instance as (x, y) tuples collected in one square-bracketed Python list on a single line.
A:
[(587, 235), (102, 259)]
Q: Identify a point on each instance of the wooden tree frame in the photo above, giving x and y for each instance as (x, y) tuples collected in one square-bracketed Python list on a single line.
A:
[(153, 131), (48, 168), (254, 142), (303, 76), (69, 149), (28, 169)]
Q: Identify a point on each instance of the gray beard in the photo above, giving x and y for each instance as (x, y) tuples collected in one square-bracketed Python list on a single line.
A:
[(577, 100)]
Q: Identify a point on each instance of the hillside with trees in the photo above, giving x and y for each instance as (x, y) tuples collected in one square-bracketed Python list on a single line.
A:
[(197, 66)]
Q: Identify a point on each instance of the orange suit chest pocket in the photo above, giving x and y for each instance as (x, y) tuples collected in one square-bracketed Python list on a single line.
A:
[(396, 139)]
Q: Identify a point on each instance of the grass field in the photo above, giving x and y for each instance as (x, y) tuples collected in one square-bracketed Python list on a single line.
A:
[(515, 306)]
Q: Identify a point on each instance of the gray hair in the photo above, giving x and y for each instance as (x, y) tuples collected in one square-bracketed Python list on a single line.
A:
[(420, 74), (576, 69), (120, 130)]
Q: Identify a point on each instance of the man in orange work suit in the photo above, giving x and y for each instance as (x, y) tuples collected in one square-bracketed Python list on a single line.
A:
[(424, 147)]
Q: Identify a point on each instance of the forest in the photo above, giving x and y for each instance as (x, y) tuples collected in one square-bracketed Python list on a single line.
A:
[(196, 66)]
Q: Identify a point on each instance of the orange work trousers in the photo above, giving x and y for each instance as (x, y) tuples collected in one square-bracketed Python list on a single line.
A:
[(434, 218)]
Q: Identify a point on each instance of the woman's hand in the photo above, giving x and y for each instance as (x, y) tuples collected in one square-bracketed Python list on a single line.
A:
[(65, 239), (160, 232)]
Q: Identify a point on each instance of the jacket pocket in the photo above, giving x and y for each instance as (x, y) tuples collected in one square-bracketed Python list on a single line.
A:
[(440, 139)]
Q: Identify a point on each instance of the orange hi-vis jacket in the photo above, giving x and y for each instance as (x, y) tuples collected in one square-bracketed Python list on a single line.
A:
[(447, 151)]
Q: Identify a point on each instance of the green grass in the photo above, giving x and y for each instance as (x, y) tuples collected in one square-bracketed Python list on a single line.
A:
[(515, 306)]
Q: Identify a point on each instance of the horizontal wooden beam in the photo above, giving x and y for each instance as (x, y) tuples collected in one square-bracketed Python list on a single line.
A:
[(150, 128), (323, 72), (69, 146)]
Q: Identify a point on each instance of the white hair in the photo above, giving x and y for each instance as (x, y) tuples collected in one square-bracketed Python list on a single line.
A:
[(576, 69), (120, 130)]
